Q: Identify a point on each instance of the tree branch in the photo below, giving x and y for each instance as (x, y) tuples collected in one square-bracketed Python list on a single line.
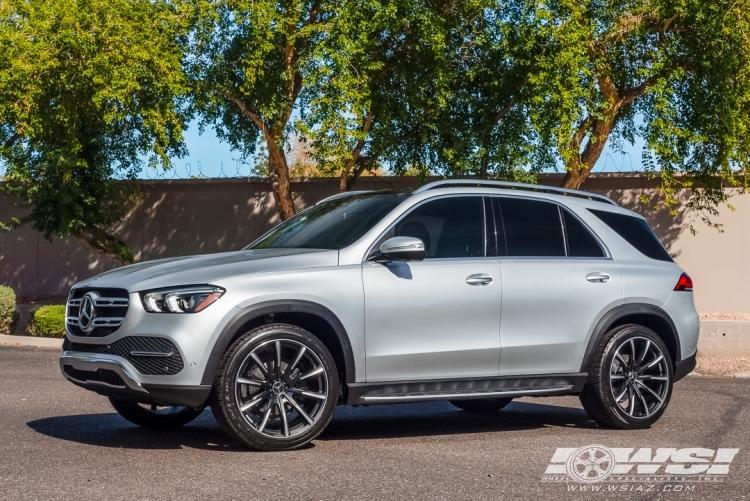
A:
[(354, 167), (583, 127), (632, 94), (252, 115), (12, 140)]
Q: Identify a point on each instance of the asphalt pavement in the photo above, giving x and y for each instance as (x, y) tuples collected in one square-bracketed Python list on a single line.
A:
[(58, 441)]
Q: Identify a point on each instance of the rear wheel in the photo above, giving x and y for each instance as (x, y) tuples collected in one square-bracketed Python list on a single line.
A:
[(482, 406), (276, 388), (155, 416), (631, 378)]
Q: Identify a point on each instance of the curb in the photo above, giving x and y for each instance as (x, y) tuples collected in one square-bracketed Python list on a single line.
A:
[(744, 375), (39, 342)]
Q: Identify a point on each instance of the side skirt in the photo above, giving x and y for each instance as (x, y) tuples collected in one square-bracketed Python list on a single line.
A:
[(465, 389)]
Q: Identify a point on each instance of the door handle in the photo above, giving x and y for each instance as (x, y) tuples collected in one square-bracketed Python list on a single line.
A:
[(479, 279), (598, 277)]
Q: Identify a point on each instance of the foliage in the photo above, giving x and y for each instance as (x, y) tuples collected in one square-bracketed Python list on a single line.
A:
[(386, 89), (248, 63), (7, 308), (48, 321), (89, 87), (674, 73)]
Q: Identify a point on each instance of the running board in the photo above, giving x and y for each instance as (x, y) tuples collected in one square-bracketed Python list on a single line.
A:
[(465, 389)]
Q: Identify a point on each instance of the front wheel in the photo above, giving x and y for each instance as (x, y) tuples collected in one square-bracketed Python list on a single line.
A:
[(153, 416), (630, 381), (276, 388)]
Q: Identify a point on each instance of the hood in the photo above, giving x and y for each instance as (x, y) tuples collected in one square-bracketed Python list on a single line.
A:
[(207, 268)]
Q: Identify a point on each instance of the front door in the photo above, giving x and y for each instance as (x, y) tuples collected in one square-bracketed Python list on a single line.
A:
[(438, 318)]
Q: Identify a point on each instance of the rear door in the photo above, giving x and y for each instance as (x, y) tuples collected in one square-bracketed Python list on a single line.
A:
[(558, 280)]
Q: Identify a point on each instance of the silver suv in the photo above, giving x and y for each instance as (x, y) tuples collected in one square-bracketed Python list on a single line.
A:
[(469, 291)]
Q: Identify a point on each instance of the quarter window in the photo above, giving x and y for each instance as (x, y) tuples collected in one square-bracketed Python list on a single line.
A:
[(636, 232)]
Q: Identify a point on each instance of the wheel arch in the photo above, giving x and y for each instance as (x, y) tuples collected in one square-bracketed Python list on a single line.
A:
[(313, 317), (644, 314)]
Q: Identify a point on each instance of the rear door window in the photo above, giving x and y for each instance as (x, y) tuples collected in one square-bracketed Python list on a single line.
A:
[(579, 240), (531, 228)]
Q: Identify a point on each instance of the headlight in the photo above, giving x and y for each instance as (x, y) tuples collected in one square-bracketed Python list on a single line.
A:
[(191, 299)]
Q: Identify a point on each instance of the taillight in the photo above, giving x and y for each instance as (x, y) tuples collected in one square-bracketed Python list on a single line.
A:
[(685, 283)]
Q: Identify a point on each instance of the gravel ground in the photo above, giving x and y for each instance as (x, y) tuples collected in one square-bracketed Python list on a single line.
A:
[(722, 366), (734, 317)]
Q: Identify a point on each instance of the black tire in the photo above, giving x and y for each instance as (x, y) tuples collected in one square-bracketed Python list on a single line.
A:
[(153, 417), (643, 392), (484, 405), (307, 390)]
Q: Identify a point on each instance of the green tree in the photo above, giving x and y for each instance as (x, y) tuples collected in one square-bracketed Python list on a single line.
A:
[(88, 88), (675, 73), (382, 91), (484, 129), (249, 62)]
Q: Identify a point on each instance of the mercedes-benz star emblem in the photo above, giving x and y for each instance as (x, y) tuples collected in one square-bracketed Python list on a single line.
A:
[(86, 314)]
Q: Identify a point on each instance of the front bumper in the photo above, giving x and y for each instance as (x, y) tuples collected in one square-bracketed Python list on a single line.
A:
[(115, 378)]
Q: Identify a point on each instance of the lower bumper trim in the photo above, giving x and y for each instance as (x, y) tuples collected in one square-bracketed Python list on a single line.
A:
[(158, 394)]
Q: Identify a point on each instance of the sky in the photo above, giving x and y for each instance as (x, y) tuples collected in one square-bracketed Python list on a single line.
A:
[(209, 156)]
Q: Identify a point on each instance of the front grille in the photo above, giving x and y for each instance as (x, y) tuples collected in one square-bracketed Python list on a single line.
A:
[(113, 293), (109, 316), (146, 359), (100, 375)]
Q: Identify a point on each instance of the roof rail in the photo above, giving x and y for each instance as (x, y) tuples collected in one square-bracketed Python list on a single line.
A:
[(482, 183)]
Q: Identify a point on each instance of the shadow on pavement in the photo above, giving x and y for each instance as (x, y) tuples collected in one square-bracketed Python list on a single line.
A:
[(349, 423), (441, 418), (110, 430)]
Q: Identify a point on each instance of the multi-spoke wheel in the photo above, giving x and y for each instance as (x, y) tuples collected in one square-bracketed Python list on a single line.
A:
[(630, 381), (155, 416), (639, 377), (276, 389)]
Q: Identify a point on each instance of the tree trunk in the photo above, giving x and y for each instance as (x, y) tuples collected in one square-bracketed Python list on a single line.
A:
[(579, 167), (280, 181)]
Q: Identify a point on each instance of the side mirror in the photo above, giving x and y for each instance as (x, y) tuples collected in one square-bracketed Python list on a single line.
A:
[(402, 249)]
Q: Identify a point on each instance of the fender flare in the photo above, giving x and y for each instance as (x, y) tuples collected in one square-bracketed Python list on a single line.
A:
[(618, 312), (231, 331)]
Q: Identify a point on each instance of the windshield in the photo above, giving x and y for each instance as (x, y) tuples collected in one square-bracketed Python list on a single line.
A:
[(331, 225)]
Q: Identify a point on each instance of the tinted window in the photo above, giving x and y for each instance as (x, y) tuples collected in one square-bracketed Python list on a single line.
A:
[(449, 227), (331, 225), (581, 243), (636, 232), (532, 228)]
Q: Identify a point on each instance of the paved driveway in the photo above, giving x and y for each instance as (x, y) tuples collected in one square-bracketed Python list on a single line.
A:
[(61, 442)]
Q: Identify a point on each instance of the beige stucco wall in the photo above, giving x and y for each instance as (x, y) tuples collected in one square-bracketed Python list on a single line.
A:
[(185, 217)]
